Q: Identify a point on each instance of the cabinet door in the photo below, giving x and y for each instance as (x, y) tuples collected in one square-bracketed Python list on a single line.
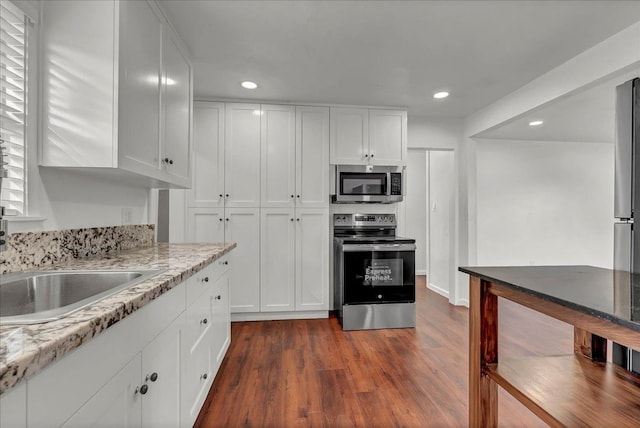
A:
[(277, 259), (243, 227), (349, 136), (278, 148), (242, 155), (221, 328), (388, 137), (117, 404), (13, 407), (161, 361), (312, 157), (312, 259), (208, 156), (176, 105), (139, 87), (205, 225)]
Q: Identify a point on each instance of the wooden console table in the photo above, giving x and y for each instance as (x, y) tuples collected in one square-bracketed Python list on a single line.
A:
[(581, 389)]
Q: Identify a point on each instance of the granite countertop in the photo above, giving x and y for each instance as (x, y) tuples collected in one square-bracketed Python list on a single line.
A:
[(604, 293), (26, 349)]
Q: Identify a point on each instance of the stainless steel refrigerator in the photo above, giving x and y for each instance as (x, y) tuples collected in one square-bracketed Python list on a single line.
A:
[(627, 207)]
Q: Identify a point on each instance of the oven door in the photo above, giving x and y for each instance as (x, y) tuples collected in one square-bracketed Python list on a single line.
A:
[(378, 273)]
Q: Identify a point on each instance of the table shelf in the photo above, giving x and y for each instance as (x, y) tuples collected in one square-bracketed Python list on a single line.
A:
[(571, 390)]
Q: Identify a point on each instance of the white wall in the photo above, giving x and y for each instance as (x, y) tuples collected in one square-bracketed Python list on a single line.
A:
[(70, 200), (544, 203), (433, 132)]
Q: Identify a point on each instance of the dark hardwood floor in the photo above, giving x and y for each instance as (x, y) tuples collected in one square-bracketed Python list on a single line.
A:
[(311, 373)]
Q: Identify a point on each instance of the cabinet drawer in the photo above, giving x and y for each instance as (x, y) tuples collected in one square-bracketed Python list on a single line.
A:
[(197, 321), (196, 378), (198, 283)]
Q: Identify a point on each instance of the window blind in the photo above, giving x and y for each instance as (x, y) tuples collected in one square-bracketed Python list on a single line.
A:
[(13, 56)]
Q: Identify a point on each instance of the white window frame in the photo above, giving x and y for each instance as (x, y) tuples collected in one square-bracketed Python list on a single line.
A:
[(30, 143)]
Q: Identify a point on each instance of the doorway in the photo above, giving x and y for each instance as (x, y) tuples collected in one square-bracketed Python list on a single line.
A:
[(430, 215)]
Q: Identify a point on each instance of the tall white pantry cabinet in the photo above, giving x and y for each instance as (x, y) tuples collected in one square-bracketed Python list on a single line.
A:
[(261, 179)]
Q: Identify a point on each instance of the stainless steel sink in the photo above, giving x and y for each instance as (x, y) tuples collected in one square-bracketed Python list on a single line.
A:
[(35, 297)]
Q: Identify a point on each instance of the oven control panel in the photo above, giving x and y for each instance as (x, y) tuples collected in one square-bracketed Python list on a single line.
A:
[(364, 220)]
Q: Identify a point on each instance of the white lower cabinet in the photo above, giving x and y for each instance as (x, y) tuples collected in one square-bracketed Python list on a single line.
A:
[(205, 225), (117, 404), (161, 374), (221, 330), (294, 259), (312, 259), (13, 407), (242, 225), (206, 338), (145, 393), (277, 259), (152, 369)]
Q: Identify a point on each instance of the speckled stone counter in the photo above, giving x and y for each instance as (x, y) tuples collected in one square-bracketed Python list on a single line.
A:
[(26, 349), (36, 250)]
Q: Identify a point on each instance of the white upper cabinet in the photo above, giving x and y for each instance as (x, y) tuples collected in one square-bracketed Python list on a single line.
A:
[(242, 155), (207, 189), (177, 105), (140, 84), (368, 136), (116, 92), (312, 157), (387, 137), (278, 152), (349, 136)]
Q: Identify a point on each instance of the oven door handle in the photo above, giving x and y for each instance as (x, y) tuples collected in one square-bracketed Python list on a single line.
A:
[(378, 247)]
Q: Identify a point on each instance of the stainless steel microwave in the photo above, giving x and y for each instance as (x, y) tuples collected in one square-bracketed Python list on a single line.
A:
[(368, 184)]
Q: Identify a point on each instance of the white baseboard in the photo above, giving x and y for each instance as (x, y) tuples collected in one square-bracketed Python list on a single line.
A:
[(439, 290), (462, 302), (273, 316), (421, 272)]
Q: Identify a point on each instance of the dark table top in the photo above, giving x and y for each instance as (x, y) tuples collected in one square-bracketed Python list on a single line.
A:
[(604, 293)]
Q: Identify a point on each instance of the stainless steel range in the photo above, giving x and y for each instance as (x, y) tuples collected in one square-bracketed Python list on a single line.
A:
[(374, 273)]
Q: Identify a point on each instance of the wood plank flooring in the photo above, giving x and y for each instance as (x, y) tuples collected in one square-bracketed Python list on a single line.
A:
[(311, 373)]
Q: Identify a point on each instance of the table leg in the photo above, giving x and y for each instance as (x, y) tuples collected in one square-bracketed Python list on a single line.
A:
[(483, 350), (590, 345)]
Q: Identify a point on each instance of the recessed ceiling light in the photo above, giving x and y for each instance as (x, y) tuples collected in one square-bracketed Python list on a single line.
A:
[(535, 123), (443, 94), (249, 84)]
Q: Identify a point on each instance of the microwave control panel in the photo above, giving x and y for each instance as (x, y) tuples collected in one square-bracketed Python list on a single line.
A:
[(396, 183)]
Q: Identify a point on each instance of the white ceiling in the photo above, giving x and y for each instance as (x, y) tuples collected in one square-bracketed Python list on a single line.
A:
[(387, 53), (587, 117)]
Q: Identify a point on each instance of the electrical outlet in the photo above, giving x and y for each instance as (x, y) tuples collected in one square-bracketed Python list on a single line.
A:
[(126, 215)]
